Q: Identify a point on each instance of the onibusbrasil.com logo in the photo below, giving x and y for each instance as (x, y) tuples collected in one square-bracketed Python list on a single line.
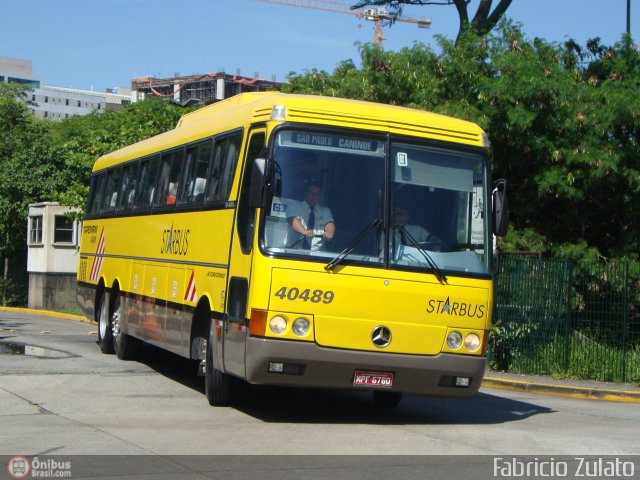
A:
[(23, 467)]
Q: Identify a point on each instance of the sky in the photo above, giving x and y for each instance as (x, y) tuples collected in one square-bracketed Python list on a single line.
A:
[(97, 44)]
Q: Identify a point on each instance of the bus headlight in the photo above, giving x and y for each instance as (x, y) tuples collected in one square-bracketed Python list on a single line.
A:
[(454, 340), (300, 327), (472, 342), (278, 324)]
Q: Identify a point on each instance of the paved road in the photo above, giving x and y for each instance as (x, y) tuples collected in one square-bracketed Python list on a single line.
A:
[(90, 403)]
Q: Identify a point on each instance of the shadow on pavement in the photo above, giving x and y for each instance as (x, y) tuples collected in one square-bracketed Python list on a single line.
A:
[(304, 405), (279, 404), (175, 367)]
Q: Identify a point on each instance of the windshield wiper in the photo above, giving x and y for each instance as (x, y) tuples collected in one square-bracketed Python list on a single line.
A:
[(376, 222), (409, 239)]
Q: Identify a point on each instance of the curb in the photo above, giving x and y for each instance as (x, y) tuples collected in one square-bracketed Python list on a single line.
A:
[(571, 391), (47, 313)]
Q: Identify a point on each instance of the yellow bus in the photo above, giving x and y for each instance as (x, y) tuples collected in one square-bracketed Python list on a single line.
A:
[(299, 240)]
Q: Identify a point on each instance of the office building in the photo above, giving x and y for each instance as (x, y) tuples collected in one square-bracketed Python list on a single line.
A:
[(56, 103)]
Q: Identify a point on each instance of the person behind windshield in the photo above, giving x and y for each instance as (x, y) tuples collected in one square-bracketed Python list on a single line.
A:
[(309, 219), (418, 232)]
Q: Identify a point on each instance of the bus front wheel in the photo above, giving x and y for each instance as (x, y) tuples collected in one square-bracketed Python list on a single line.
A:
[(217, 384)]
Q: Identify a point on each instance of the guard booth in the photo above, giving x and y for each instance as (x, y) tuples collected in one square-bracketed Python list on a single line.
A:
[(52, 256)]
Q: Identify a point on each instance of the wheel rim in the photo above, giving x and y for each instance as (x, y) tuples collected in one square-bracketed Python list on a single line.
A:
[(115, 322), (104, 318)]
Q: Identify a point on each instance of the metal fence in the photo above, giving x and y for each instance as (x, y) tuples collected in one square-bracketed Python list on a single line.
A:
[(569, 320)]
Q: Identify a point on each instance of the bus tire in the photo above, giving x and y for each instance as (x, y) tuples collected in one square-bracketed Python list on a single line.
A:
[(105, 329), (217, 384), (125, 346), (386, 399)]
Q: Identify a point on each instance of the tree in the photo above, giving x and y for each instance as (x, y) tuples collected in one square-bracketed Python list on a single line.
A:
[(30, 171), (484, 20)]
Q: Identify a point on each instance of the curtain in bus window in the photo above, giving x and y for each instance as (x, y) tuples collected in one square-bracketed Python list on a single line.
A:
[(223, 168), (195, 176), (171, 166)]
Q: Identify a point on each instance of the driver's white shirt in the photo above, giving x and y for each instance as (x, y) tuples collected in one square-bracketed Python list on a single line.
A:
[(300, 209)]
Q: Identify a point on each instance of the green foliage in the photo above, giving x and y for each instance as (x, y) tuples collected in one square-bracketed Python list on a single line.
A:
[(576, 317), (30, 169), (586, 358), (525, 240), (507, 337), (530, 306)]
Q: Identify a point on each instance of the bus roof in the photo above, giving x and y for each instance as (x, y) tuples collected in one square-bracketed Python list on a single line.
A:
[(256, 107)]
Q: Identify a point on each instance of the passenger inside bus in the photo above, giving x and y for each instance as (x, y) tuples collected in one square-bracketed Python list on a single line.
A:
[(171, 195), (404, 229)]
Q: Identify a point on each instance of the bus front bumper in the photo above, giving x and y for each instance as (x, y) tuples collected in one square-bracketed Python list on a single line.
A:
[(291, 363)]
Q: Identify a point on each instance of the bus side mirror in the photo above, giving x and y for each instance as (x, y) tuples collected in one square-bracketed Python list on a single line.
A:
[(258, 194), (500, 207)]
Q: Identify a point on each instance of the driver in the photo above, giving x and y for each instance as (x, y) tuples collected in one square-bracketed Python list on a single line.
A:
[(309, 217)]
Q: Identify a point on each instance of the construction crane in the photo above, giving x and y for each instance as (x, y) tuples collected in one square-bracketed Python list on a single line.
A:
[(380, 17)]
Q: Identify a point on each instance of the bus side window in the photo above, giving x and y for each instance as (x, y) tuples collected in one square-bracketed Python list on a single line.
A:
[(246, 214), (95, 190), (223, 168), (128, 189), (195, 176), (169, 178), (110, 197), (147, 181)]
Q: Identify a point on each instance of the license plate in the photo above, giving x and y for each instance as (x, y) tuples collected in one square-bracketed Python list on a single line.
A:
[(375, 379)]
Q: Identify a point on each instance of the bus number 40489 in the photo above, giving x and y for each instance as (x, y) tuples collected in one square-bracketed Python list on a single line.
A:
[(306, 295)]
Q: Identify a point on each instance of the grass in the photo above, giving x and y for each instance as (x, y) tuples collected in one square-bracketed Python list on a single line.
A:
[(578, 356)]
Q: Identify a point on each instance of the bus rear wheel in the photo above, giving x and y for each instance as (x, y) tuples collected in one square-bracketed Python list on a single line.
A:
[(125, 346), (105, 331), (216, 383)]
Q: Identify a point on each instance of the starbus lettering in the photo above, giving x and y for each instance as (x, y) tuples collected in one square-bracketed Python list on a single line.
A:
[(459, 309), (175, 241)]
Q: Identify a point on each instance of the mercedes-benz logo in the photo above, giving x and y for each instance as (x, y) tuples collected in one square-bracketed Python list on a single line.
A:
[(381, 336)]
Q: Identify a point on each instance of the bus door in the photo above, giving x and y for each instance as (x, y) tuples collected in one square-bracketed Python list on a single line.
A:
[(236, 324)]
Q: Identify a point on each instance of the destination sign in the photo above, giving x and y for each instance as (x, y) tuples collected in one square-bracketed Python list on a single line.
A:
[(333, 142)]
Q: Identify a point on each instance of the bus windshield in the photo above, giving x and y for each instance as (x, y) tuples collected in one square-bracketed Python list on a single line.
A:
[(334, 202)]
